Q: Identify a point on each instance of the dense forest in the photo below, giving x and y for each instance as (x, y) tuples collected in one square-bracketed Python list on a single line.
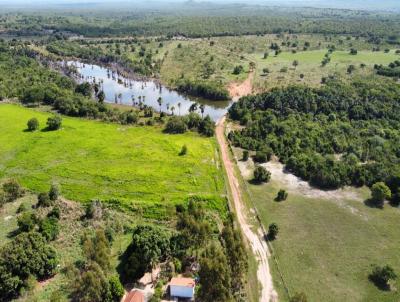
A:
[(336, 135)]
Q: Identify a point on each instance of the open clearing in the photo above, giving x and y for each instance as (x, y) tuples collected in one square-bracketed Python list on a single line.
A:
[(326, 246), (89, 159)]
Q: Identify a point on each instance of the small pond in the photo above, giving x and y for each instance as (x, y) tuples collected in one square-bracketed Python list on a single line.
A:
[(126, 91)]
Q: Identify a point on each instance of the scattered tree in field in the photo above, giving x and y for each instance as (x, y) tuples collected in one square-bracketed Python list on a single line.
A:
[(382, 275), (266, 70), (301, 75), (266, 54), (183, 151), (33, 124), (298, 297), (261, 174), (54, 123), (350, 69), (214, 276), (273, 230), (245, 155), (379, 192), (295, 63), (238, 70), (282, 195), (353, 51)]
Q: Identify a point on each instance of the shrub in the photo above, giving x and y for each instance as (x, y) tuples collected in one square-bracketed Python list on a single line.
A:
[(245, 155), (262, 156), (380, 192), (26, 222), (44, 200), (54, 123), (282, 195), (261, 175), (273, 230), (184, 150), (55, 213), (175, 125), (116, 289), (49, 228), (54, 192), (12, 190), (33, 124), (238, 69)]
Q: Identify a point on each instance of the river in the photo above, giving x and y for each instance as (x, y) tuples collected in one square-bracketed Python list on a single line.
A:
[(129, 92)]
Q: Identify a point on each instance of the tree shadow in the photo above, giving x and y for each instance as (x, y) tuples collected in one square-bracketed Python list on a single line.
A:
[(379, 284), (255, 182), (371, 204)]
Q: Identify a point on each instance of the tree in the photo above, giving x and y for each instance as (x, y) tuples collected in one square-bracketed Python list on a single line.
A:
[(266, 54), (381, 275), (33, 124), (350, 69), (282, 195), (160, 101), (214, 276), (295, 63), (298, 297), (238, 69), (183, 150), (28, 254), (97, 249), (54, 192), (101, 96), (49, 228), (26, 222), (380, 192), (54, 123), (353, 51), (273, 230), (150, 244), (175, 125), (85, 89), (245, 155), (261, 174)]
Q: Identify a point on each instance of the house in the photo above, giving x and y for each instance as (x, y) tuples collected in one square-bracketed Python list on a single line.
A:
[(182, 288), (134, 296)]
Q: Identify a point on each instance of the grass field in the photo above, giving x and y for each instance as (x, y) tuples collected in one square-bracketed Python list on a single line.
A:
[(138, 165), (325, 248)]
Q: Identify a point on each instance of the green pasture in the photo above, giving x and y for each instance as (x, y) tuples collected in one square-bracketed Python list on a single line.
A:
[(140, 166)]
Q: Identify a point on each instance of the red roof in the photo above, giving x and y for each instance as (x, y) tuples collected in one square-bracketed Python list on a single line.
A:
[(134, 296), (187, 282)]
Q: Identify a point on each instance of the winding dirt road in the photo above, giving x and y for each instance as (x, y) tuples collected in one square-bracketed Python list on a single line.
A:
[(256, 240)]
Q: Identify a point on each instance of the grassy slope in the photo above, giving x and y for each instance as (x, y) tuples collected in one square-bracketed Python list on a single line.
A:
[(96, 160), (326, 248)]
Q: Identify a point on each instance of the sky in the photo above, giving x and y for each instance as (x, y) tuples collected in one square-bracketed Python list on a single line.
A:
[(352, 4)]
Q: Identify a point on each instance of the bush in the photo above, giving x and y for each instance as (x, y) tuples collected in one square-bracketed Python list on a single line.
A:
[(54, 192), (380, 192), (382, 275), (282, 195), (262, 156), (245, 155), (49, 228), (175, 125), (184, 150), (54, 123), (44, 200), (26, 222), (261, 174), (116, 289), (55, 213), (33, 124), (12, 190), (273, 230)]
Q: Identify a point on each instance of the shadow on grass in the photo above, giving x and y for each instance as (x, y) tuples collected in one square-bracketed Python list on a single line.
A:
[(372, 204), (379, 284), (256, 182)]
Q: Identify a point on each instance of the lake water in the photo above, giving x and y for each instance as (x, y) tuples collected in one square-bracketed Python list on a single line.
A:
[(125, 91)]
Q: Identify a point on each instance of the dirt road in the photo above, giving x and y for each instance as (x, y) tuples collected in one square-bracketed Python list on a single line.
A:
[(256, 240)]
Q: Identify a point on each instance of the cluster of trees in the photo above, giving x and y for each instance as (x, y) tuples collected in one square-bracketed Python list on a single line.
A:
[(336, 135), (28, 256), (207, 90), (392, 70), (192, 121)]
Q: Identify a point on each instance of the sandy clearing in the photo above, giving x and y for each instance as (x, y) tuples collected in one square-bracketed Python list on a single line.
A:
[(238, 90), (256, 240)]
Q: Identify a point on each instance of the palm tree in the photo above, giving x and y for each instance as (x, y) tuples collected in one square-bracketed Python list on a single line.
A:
[(173, 109), (133, 100), (179, 107), (159, 101), (167, 107)]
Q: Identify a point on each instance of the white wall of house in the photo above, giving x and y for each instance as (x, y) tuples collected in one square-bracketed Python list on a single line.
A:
[(181, 291)]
